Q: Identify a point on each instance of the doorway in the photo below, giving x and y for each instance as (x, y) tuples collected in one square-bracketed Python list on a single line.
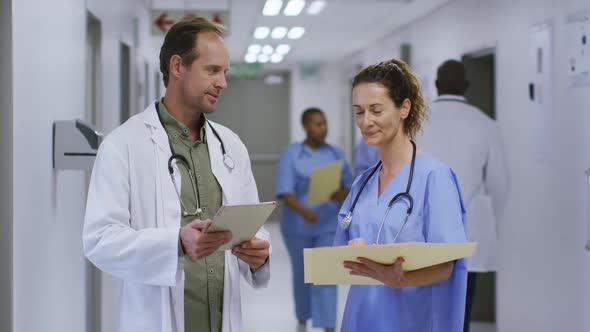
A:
[(93, 116), (480, 68), (125, 76), (257, 109), (157, 85), (6, 171)]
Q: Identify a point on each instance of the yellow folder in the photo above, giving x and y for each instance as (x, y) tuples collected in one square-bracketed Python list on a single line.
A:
[(323, 182), (323, 266)]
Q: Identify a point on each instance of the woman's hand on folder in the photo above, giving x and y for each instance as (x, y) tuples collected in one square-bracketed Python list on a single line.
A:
[(391, 275), (359, 241), (394, 276)]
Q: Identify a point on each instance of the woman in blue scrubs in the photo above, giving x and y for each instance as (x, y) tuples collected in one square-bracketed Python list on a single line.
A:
[(310, 226), (389, 109)]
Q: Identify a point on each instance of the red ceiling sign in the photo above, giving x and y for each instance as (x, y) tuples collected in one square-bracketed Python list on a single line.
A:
[(162, 20)]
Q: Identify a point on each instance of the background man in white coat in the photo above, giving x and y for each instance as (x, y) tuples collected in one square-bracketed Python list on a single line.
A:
[(157, 181), (466, 139)]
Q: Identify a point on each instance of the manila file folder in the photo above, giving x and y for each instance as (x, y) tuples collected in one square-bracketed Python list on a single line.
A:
[(323, 266), (324, 181)]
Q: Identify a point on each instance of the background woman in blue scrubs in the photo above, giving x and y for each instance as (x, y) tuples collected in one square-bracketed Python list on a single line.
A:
[(305, 226), (389, 109)]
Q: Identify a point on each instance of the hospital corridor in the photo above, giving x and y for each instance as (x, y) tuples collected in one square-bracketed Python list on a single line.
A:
[(295, 166)]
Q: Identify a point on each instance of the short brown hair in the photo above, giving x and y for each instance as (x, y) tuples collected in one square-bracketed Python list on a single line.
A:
[(181, 40), (402, 83)]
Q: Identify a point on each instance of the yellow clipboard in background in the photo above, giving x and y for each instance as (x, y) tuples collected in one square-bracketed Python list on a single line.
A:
[(323, 266), (323, 182)]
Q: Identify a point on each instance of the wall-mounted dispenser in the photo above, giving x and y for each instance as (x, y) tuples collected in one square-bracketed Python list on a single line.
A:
[(75, 144)]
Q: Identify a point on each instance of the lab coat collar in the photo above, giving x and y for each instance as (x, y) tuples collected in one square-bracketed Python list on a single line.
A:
[(220, 171), (158, 134), (453, 97), (214, 147), (160, 138)]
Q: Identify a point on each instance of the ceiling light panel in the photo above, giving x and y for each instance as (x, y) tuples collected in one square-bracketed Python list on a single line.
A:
[(261, 32), (263, 58), (276, 58), (316, 7), (254, 48), (296, 33), (294, 7), (267, 49), (272, 7), (250, 58), (283, 49), (278, 33)]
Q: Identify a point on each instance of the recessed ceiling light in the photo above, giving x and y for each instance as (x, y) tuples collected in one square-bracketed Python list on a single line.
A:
[(278, 33), (254, 48), (316, 7), (276, 58), (283, 49), (262, 58), (267, 49), (250, 58), (261, 32), (296, 32), (272, 7), (294, 7)]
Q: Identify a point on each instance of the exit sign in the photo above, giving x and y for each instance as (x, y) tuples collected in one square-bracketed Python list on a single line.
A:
[(245, 70), (163, 19)]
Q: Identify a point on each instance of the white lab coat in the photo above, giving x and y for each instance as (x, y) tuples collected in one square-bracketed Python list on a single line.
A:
[(467, 140), (132, 224)]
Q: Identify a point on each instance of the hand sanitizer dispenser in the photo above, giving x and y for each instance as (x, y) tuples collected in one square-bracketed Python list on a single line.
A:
[(75, 144)]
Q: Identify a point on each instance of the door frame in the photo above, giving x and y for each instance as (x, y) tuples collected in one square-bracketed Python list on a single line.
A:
[(6, 172)]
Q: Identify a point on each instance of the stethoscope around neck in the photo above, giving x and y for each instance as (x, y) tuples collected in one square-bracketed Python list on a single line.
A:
[(227, 161), (348, 219)]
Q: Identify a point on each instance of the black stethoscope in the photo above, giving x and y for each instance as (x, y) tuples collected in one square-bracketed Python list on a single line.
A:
[(348, 219), (227, 160)]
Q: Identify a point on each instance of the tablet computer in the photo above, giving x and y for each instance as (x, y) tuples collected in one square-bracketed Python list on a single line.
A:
[(243, 221)]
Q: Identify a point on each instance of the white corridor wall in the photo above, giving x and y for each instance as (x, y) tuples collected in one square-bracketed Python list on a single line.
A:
[(49, 55), (544, 270)]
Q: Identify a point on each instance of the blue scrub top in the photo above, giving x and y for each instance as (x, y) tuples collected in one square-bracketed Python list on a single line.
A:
[(438, 217), (294, 170)]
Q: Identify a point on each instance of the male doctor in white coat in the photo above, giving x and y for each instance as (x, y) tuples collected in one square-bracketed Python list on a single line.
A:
[(467, 140), (147, 230)]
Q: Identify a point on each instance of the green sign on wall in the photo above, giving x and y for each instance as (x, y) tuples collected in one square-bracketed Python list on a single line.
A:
[(245, 70)]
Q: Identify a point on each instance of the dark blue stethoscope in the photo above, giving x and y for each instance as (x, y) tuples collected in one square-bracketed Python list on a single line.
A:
[(348, 219), (227, 160)]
